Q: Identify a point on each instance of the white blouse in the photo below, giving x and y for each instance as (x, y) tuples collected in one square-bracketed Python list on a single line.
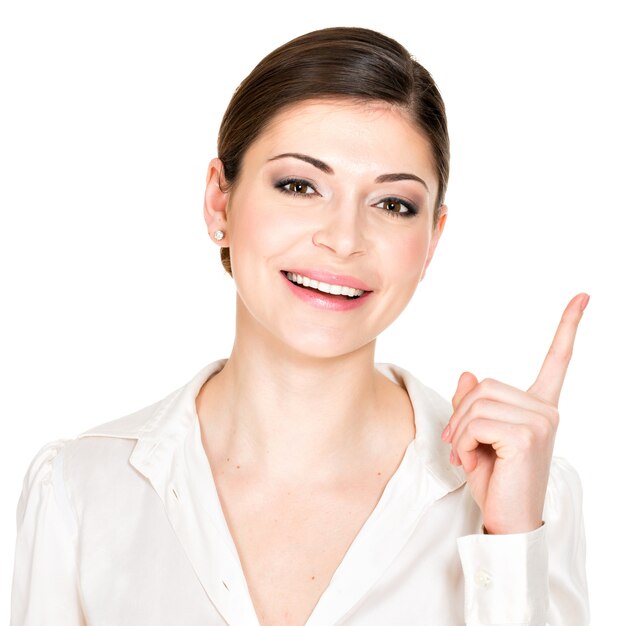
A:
[(123, 526)]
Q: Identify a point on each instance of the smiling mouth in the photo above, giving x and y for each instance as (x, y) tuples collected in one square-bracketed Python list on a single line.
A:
[(325, 288)]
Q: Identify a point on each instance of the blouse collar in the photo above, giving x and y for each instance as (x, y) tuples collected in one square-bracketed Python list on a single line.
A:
[(162, 427), (169, 453)]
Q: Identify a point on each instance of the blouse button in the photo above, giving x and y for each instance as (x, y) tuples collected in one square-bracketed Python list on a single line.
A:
[(482, 578)]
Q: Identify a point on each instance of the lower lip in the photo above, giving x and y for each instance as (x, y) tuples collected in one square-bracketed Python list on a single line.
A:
[(325, 301)]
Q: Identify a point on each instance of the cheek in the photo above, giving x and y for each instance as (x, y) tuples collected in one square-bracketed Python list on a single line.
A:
[(246, 228), (407, 257), (261, 228)]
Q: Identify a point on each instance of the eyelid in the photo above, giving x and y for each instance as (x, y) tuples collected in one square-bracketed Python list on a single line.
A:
[(282, 182), (412, 207)]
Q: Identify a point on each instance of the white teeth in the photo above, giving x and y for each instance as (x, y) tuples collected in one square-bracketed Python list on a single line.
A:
[(325, 287)]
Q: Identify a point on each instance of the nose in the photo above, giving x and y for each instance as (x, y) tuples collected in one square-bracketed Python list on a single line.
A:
[(342, 231)]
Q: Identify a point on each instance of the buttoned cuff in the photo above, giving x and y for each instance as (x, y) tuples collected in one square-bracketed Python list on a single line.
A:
[(506, 578)]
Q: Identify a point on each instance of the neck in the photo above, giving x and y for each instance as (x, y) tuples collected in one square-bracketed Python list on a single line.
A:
[(289, 416)]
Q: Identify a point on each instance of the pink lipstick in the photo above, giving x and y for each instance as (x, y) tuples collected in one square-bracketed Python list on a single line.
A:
[(328, 301)]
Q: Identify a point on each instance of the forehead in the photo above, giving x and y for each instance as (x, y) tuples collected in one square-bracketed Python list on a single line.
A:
[(354, 135)]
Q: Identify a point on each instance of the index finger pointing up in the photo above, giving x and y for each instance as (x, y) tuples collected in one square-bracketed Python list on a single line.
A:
[(549, 382)]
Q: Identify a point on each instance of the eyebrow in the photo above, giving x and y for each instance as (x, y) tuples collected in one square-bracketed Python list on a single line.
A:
[(324, 167)]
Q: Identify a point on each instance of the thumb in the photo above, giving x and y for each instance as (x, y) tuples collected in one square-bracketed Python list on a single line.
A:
[(467, 382)]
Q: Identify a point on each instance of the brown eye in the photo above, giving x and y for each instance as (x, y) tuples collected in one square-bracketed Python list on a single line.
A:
[(392, 205), (397, 207), (295, 187)]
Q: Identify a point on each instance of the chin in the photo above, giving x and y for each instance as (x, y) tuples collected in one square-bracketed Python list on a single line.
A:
[(319, 345)]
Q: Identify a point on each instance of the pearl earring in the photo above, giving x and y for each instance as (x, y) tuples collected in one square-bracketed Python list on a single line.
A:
[(219, 235)]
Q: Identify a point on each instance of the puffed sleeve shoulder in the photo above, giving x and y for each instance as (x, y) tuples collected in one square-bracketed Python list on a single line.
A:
[(45, 584), (534, 578)]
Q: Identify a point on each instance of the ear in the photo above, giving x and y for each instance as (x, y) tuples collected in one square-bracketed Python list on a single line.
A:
[(216, 201), (443, 216)]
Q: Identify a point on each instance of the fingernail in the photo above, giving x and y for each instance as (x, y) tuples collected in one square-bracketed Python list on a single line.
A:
[(584, 303), (446, 433)]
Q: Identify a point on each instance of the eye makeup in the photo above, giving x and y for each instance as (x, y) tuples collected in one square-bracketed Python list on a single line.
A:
[(411, 209), (297, 184), (294, 186)]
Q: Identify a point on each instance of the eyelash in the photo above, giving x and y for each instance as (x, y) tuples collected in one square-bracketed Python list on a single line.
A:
[(281, 184)]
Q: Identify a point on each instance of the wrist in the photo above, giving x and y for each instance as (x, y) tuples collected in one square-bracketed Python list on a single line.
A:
[(513, 529)]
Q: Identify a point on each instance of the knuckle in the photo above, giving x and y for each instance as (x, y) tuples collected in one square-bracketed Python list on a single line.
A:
[(487, 384), (526, 437), (553, 414), (531, 436), (460, 438), (543, 430), (478, 406), (471, 428), (474, 426), (461, 430)]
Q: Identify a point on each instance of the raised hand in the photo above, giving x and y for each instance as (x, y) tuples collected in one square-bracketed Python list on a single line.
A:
[(504, 437)]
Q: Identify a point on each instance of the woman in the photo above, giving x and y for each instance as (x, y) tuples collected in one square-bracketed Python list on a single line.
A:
[(298, 482)]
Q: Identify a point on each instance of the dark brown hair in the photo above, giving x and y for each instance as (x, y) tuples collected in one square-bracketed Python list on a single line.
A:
[(355, 63)]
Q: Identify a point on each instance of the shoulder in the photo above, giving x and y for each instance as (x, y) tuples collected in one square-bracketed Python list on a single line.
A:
[(95, 451), (425, 400), (40, 469), (132, 425), (100, 445)]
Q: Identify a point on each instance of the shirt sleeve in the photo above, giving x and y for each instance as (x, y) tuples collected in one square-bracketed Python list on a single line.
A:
[(536, 578), (45, 588)]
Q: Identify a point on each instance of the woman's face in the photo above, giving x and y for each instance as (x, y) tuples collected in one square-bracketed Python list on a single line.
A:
[(337, 192)]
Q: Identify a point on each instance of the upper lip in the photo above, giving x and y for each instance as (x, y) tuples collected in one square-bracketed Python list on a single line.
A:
[(331, 278)]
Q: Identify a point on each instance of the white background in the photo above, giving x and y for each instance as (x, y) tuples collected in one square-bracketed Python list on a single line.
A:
[(113, 295)]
